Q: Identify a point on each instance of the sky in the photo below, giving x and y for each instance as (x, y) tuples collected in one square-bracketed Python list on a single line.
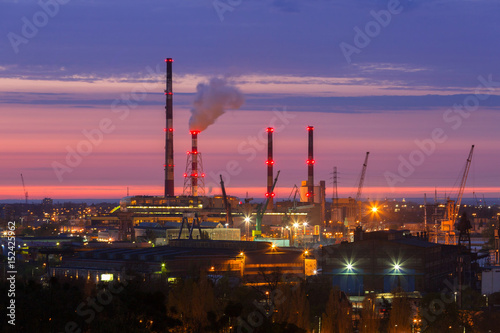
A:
[(415, 83)]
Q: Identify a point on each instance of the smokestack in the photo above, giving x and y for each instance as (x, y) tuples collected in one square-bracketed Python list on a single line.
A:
[(194, 163), (310, 166), (169, 133), (270, 163)]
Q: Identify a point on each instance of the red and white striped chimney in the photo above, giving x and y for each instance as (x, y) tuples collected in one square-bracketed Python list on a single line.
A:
[(310, 166), (270, 163)]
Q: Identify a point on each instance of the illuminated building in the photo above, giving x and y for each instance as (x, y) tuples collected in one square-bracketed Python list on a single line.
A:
[(385, 260)]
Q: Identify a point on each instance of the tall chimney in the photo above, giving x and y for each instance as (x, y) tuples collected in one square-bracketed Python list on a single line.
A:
[(169, 133), (270, 163), (194, 163), (310, 166)]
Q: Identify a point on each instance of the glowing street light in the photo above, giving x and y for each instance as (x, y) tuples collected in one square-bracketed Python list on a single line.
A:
[(397, 267), (247, 221), (349, 267)]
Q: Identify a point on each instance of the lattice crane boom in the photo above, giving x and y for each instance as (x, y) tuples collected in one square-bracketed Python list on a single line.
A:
[(362, 178), (360, 186), (462, 185), (24, 189)]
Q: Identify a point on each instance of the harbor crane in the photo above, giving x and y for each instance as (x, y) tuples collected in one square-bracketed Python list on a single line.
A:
[(24, 189), (451, 222), (360, 187), (229, 216), (463, 225)]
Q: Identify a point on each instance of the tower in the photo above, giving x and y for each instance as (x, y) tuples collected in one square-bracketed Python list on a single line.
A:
[(169, 133), (194, 183)]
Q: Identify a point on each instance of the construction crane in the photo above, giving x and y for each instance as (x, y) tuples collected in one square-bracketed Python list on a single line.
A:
[(229, 216), (463, 225), (24, 189), (450, 223), (462, 185), (477, 200), (260, 212), (360, 186), (295, 191)]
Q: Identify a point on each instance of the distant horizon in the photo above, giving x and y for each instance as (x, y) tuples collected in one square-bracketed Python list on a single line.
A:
[(419, 200)]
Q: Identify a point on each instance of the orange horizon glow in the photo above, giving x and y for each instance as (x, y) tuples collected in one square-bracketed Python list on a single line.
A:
[(118, 192)]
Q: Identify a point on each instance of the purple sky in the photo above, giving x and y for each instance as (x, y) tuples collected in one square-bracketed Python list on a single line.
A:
[(88, 60)]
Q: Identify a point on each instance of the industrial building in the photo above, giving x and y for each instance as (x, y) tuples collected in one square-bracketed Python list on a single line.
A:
[(248, 261), (385, 260)]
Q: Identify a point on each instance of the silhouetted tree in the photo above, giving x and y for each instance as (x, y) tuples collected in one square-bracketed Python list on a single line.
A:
[(400, 315), (337, 317), (370, 319)]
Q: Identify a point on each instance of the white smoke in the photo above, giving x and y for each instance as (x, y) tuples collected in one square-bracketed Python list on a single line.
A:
[(211, 101)]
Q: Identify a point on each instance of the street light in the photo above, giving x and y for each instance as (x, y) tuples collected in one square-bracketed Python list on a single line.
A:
[(247, 221)]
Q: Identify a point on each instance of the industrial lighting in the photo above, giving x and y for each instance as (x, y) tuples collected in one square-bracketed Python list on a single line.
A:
[(273, 246), (397, 267), (247, 219), (241, 253), (306, 252), (296, 224), (349, 267), (106, 277), (374, 209)]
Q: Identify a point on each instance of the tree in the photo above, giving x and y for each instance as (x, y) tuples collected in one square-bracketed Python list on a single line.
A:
[(291, 306), (400, 316), (337, 317), (193, 302), (370, 320)]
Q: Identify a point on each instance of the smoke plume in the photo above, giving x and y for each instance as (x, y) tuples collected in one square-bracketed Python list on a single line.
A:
[(211, 101)]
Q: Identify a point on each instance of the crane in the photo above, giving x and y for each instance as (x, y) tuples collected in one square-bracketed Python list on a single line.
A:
[(24, 189), (229, 217), (477, 200), (295, 190), (360, 186), (260, 212), (462, 186)]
